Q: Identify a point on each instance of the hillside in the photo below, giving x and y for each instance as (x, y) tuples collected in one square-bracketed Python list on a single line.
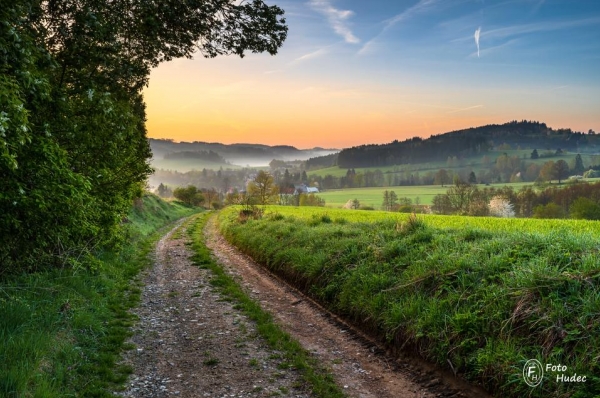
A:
[(254, 155), (462, 144)]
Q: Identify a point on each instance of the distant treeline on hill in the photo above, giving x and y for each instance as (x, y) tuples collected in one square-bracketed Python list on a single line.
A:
[(204, 155), (462, 143)]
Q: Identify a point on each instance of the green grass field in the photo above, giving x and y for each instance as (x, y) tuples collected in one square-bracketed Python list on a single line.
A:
[(62, 331), (480, 296), (374, 196)]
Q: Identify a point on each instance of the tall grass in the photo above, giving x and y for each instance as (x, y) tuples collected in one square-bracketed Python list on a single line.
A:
[(61, 331), (480, 301)]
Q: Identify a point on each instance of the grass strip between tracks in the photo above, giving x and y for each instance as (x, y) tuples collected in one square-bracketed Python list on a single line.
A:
[(319, 379)]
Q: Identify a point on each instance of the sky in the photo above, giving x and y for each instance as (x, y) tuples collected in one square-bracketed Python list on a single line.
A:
[(355, 72)]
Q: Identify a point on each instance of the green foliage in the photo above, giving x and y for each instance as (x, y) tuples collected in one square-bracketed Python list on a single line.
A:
[(310, 200), (62, 332), (578, 167), (561, 170), (73, 147), (584, 208), (551, 210), (483, 294), (263, 188), (534, 154), (189, 195)]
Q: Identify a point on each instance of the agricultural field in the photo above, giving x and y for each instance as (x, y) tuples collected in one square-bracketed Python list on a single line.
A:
[(479, 296), (374, 196)]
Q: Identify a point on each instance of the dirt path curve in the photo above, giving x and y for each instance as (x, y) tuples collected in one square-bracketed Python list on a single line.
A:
[(358, 365), (191, 343)]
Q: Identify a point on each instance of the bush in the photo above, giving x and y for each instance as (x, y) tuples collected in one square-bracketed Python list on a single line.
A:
[(584, 208), (551, 210)]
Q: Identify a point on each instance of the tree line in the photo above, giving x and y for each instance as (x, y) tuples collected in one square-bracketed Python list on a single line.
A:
[(503, 169), (578, 200)]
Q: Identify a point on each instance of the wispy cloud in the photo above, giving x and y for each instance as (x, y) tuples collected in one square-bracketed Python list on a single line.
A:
[(546, 26), (421, 7), (314, 54), (476, 36), (337, 19)]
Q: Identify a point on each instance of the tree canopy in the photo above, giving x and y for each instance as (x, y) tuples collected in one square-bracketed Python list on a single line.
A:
[(73, 147)]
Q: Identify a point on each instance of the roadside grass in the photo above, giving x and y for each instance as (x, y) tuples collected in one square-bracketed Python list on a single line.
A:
[(477, 300), (62, 331), (318, 379)]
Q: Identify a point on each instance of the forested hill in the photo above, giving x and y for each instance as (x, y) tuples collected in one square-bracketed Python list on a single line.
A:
[(464, 143)]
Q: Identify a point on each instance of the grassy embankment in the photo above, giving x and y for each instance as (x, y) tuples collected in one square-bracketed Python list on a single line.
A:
[(61, 331), (317, 377), (478, 295)]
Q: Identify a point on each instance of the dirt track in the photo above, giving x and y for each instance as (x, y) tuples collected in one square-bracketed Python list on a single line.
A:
[(191, 343), (358, 363)]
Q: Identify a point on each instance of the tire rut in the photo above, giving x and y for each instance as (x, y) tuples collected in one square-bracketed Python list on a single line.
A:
[(359, 363)]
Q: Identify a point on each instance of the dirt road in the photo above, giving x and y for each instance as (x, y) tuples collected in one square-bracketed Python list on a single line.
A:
[(191, 343)]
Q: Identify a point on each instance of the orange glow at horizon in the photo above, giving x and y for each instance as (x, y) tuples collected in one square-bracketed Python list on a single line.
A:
[(210, 101)]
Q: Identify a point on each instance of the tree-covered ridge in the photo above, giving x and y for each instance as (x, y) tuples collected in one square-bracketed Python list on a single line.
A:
[(73, 147), (464, 143)]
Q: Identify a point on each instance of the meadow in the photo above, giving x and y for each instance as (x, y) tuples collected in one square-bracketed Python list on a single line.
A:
[(62, 331), (479, 296), (374, 196)]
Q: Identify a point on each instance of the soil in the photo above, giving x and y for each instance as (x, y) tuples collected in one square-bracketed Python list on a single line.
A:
[(192, 343)]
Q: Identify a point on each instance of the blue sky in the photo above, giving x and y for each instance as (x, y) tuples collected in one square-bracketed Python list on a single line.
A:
[(354, 72)]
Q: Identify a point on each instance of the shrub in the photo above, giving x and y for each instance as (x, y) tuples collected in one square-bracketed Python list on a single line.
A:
[(584, 208), (551, 210)]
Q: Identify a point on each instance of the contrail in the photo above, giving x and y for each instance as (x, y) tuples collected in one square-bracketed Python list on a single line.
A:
[(476, 35)]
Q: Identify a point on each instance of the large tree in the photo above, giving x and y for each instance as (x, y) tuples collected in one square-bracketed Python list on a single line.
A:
[(561, 170), (263, 188), (73, 147)]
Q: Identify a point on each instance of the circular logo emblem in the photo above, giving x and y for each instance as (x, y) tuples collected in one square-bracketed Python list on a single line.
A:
[(533, 372)]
